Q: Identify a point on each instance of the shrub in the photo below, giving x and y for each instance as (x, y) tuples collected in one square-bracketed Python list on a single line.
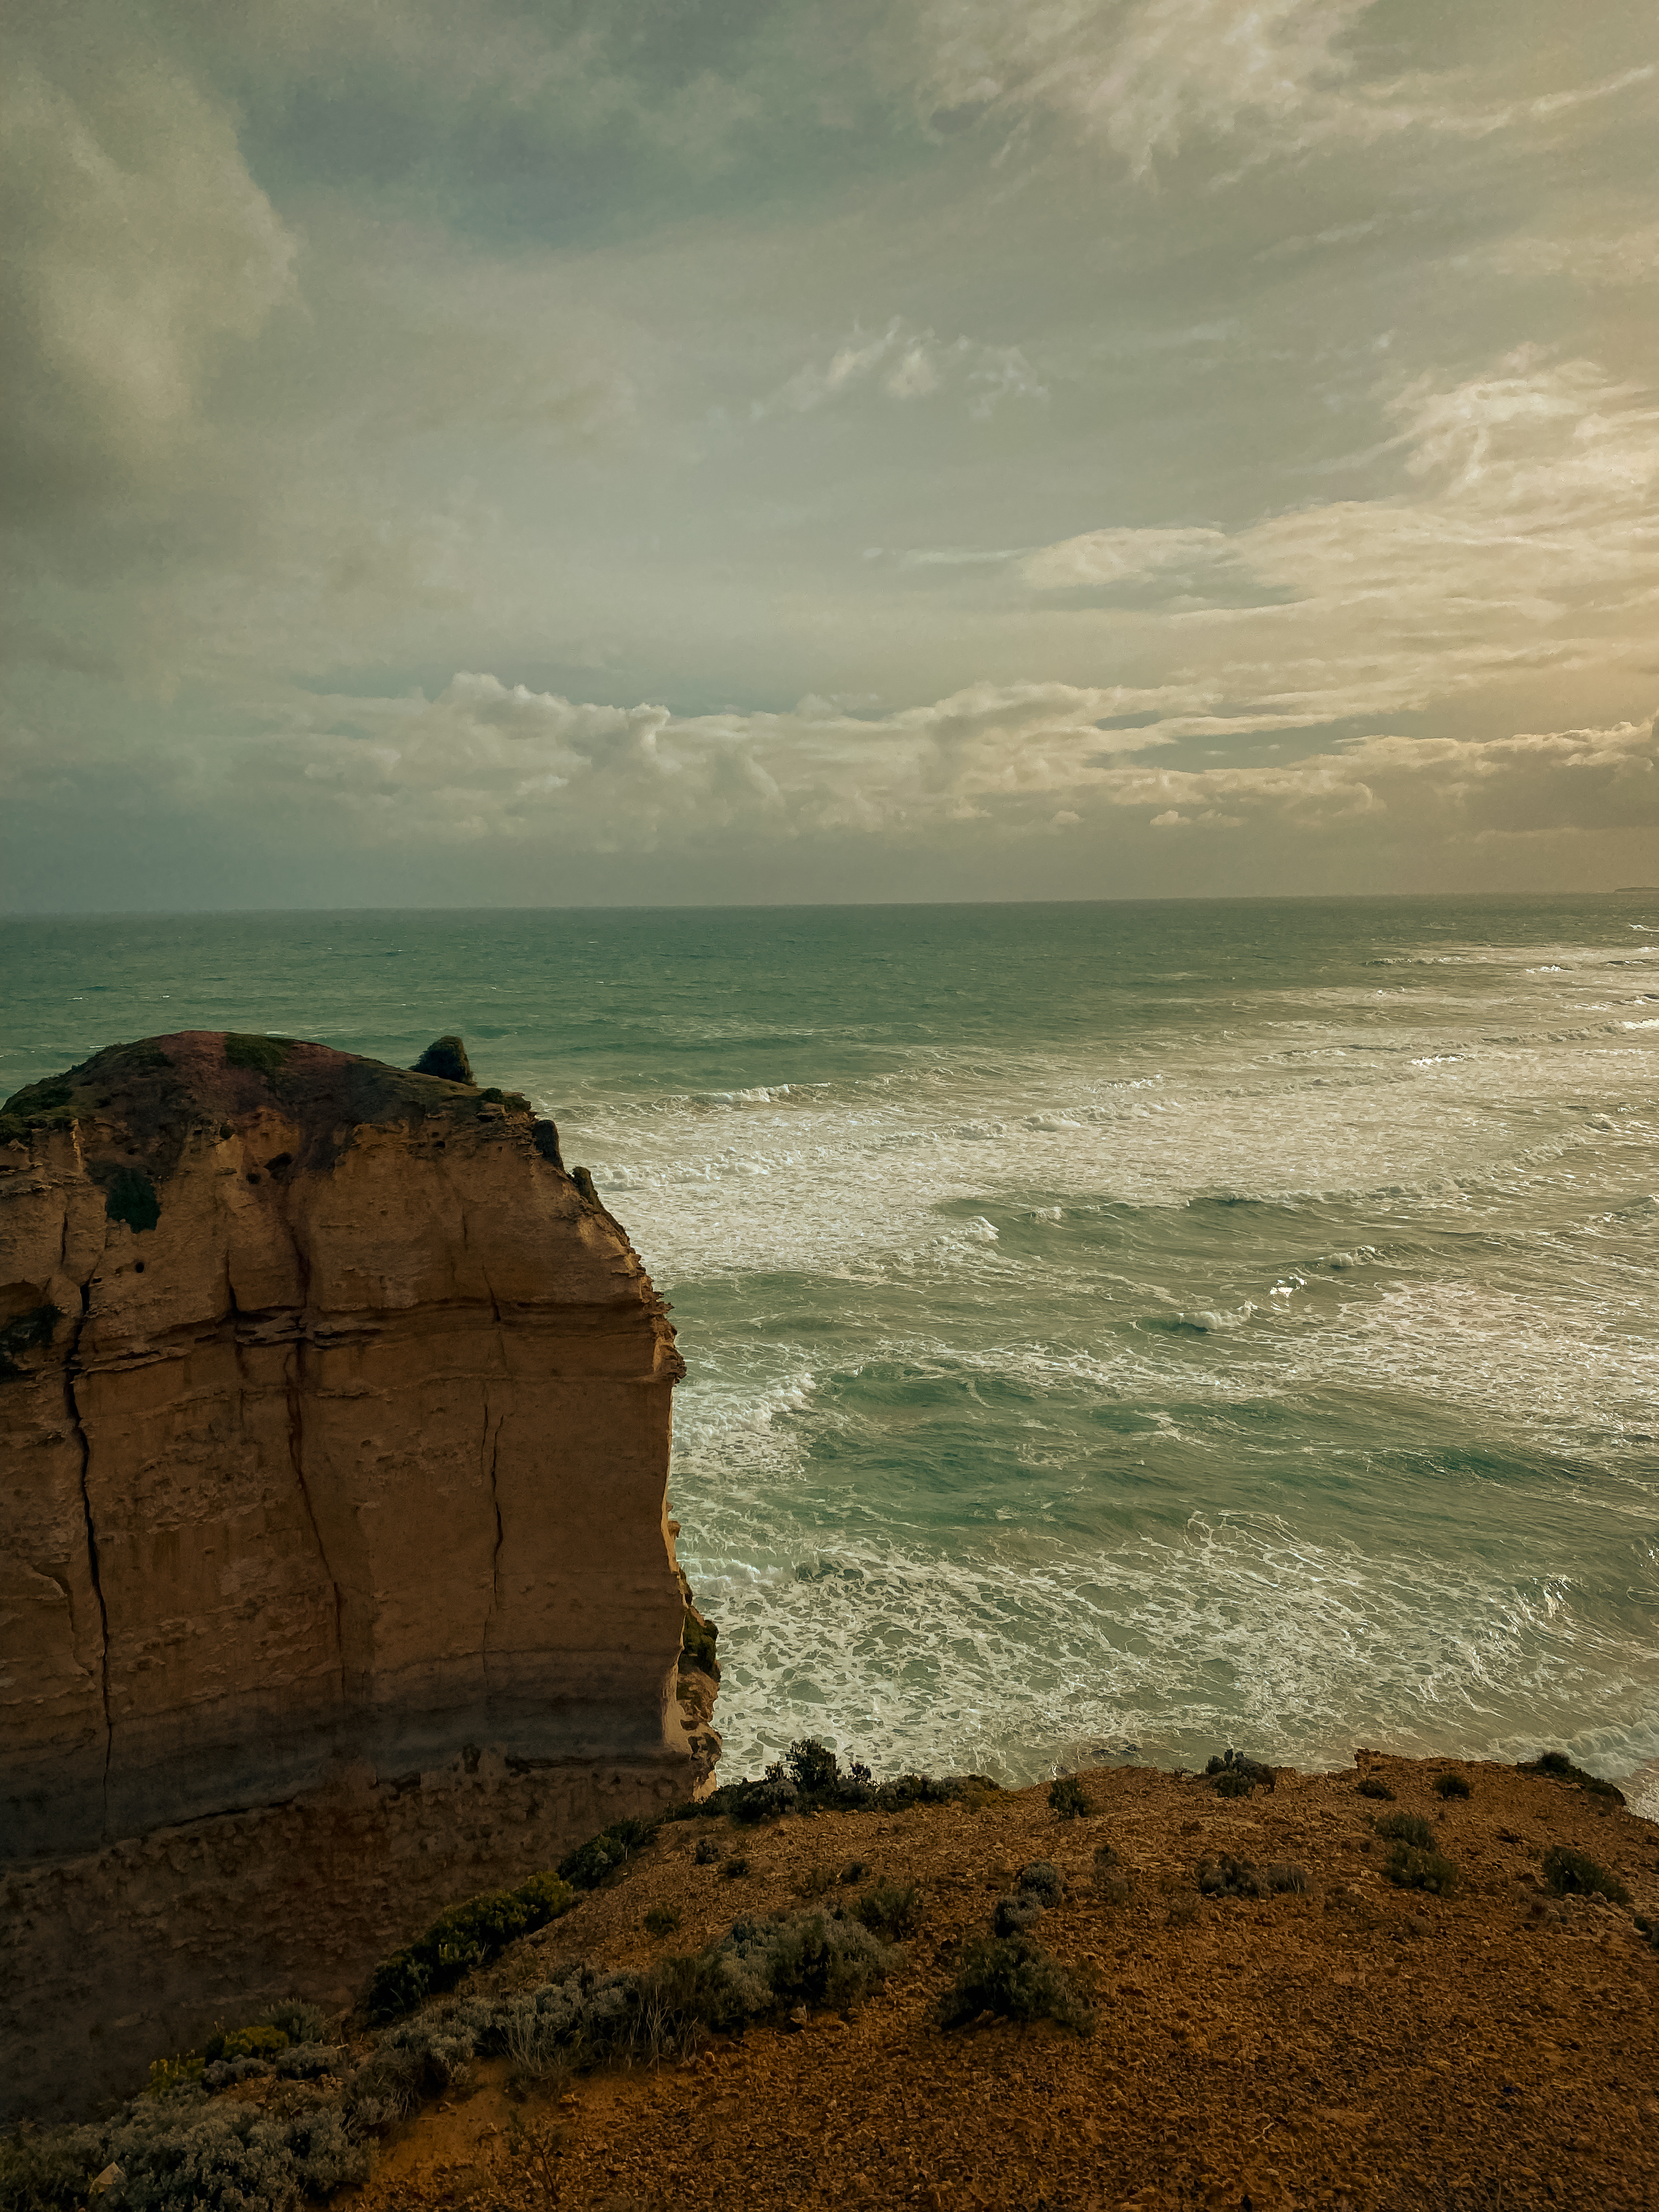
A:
[(129, 1196), (1373, 1785), (1015, 1980), (186, 2156), (1228, 1877), (26, 1332), (890, 1908), (167, 2076), (661, 1920), (757, 1969), (1231, 1877), (261, 2041), (1405, 1828), (823, 1960), (1236, 1776), (1067, 1797), (813, 1766), (1041, 1881), (1014, 1915), (1111, 1885), (587, 1866), (1571, 1874), (265, 1055), (814, 1882), (464, 1936), (698, 1638), (734, 1868), (854, 1870), (300, 2021), (41, 2172), (305, 2062), (708, 1853), (749, 1802), (849, 1790), (1558, 1767), (446, 1057), (1450, 1786), (1286, 1878), (1411, 1868)]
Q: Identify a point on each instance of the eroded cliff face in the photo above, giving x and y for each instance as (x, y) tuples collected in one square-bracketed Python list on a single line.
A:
[(334, 1430)]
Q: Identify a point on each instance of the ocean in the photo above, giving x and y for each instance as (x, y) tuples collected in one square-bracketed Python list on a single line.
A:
[(1113, 1331)]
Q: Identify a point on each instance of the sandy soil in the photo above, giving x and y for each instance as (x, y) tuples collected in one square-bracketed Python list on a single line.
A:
[(1356, 2047)]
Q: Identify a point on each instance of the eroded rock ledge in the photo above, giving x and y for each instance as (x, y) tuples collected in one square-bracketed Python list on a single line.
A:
[(334, 1431)]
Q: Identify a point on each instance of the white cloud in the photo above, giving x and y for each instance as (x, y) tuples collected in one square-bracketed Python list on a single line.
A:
[(485, 759), (1143, 75), (903, 362), (1608, 258), (1150, 77), (1128, 556), (489, 766), (1435, 788)]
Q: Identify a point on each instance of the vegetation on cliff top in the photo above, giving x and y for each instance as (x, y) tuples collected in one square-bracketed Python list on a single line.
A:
[(183, 2144), (176, 2147), (445, 1056)]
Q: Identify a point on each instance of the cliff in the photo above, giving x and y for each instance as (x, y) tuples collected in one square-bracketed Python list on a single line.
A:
[(334, 1432)]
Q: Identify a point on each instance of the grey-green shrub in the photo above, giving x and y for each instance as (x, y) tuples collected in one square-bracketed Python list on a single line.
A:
[(467, 1936), (889, 1908), (182, 2154), (1409, 1868), (1572, 1874), (1407, 1828), (1041, 1880), (1067, 1797), (1014, 1980)]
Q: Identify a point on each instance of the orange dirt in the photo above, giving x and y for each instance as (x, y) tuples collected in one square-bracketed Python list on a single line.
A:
[(1358, 2047)]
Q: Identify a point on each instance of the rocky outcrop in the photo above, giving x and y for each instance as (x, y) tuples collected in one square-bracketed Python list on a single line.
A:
[(334, 1417)]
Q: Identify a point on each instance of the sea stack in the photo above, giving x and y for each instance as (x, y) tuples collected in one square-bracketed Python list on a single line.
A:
[(337, 1583)]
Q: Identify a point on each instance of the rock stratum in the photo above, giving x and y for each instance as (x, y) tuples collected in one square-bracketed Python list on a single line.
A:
[(334, 1433)]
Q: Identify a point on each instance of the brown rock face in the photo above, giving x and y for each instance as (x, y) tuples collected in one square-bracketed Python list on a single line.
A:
[(334, 1428)]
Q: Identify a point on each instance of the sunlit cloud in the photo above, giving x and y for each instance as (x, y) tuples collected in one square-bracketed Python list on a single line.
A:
[(1525, 533)]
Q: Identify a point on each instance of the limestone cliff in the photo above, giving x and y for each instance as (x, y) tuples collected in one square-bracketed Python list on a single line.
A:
[(334, 1430)]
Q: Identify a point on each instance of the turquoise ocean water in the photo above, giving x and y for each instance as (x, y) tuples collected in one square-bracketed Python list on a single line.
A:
[(1157, 1325)]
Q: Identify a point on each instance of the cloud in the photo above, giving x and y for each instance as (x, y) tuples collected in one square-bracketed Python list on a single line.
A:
[(1524, 535), (1144, 75), (903, 362), (1104, 558), (1439, 788), (137, 249), (1599, 260), (486, 763), (1150, 77), (490, 768)]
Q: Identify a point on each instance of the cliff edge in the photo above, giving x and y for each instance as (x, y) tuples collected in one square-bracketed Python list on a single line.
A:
[(334, 1434)]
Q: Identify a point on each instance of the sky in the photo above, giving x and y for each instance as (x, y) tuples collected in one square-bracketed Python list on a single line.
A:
[(469, 452)]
